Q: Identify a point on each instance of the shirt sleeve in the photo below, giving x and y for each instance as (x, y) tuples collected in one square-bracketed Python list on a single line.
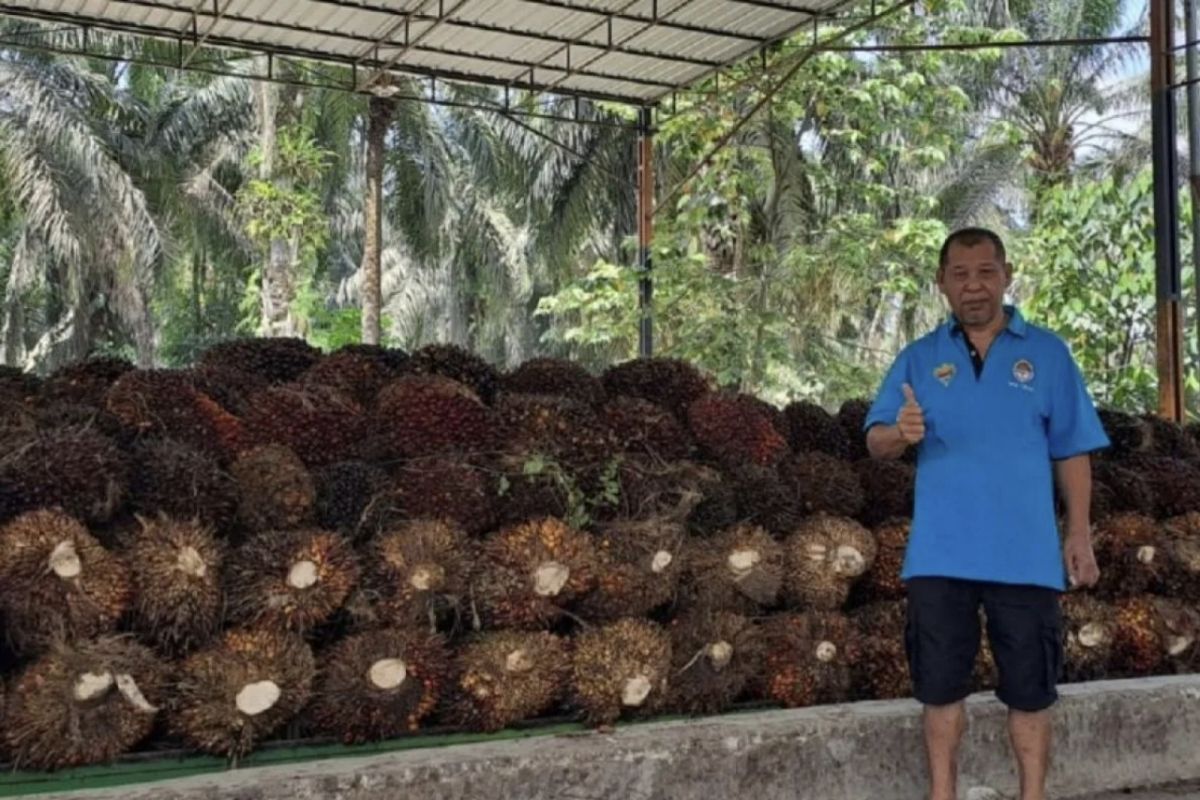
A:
[(1074, 427), (890, 396)]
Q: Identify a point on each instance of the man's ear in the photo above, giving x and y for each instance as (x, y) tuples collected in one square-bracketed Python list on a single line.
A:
[(1008, 274)]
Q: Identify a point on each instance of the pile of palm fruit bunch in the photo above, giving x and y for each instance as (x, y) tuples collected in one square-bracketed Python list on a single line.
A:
[(282, 544)]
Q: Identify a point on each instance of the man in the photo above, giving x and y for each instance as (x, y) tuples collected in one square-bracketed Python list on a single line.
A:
[(998, 411)]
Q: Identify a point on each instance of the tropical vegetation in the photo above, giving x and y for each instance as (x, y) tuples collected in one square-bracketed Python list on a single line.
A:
[(147, 212)]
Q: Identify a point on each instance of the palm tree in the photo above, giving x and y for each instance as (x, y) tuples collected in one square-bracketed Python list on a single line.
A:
[(379, 118), (1050, 111), (110, 167)]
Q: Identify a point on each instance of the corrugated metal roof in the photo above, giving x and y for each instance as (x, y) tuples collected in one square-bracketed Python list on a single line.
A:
[(635, 51)]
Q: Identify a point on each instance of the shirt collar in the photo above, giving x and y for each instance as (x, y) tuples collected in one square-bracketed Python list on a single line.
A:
[(1016, 322)]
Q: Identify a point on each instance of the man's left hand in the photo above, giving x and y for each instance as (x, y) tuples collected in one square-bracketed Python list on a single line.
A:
[(1081, 559)]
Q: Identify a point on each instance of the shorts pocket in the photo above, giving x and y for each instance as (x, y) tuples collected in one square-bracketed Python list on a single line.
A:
[(1052, 646)]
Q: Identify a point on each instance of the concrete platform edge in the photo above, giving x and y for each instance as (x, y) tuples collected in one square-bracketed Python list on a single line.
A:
[(1109, 736)]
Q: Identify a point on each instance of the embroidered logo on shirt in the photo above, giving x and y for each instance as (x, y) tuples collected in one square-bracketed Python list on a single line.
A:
[(1023, 371), (945, 373)]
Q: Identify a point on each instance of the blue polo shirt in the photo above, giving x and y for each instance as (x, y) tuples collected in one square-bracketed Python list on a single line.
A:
[(985, 481)]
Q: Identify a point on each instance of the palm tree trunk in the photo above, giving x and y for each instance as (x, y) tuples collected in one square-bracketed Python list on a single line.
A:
[(379, 118), (277, 289)]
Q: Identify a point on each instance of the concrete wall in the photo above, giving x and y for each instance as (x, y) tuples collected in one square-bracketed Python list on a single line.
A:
[(1110, 735)]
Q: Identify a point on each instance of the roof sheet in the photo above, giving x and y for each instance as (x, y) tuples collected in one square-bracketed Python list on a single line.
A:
[(634, 51)]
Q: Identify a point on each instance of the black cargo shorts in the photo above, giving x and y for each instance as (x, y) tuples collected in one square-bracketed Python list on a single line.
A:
[(942, 638)]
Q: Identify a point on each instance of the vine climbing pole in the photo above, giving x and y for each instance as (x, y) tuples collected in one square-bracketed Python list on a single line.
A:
[(1169, 280)]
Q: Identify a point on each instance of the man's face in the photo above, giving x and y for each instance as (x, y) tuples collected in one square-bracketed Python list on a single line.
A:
[(974, 280)]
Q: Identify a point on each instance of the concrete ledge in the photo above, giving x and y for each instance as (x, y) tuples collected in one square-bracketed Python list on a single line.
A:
[(1109, 736)]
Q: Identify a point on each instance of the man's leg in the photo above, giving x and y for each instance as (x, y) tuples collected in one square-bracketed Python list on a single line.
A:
[(1025, 631), (944, 729), (1030, 735), (942, 640)]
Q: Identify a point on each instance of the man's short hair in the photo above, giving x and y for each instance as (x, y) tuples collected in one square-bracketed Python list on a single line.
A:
[(969, 237)]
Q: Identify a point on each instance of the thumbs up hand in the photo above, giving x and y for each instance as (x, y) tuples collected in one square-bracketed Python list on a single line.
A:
[(911, 420)]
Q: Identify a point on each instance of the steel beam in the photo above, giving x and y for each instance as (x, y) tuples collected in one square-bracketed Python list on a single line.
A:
[(645, 218), (101, 23), (1168, 277), (334, 82)]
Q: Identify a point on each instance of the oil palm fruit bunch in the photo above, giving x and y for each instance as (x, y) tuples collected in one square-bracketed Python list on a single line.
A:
[(176, 479), (1129, 490), (380, 684), (889, 488), (1127, 433), (422, 415), (1175, 483), (563, 430), (504, 677), (1182, 543), (734, 431), (639, 427), (57, 582), (881, 672), (815, 430), (18, 419), (276, 489), (178, 598), (764, 498), (851, 416), (83, 703), (393, 358), (528, 574), (823, 483), (739, 570), (417, 571), (229, 386), (352, 374), (1140, 644), (808, 658), (1180, 625), (452, 361), (84, 382), (1089, 633), (274, 359), (442, 487), (882, 580), (167, 403), (823, 557), (693, 493), (241, 689), (1129, 550), (529, 487), (291, 580), (344, 491), (78, 470), (621, 669), (555, 376), (18, 384), (638, 568), (318, 423), (669, 382), (716, 656), (1169, 438)]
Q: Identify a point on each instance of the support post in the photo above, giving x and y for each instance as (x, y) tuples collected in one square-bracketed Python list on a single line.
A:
[(645, 224), (1168, 278), (1193, 105)]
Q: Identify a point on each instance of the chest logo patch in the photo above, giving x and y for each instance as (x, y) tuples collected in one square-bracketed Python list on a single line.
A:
[(1023, 371), (945, 373)]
